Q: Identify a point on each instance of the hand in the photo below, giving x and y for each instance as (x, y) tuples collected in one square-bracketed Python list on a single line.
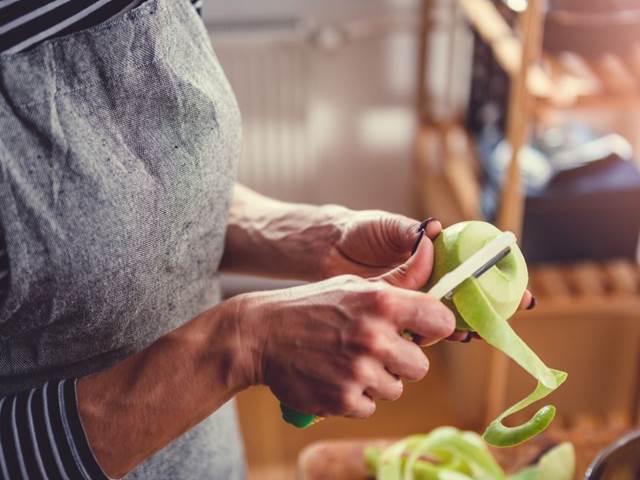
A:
[(336, 346), (373, 241)]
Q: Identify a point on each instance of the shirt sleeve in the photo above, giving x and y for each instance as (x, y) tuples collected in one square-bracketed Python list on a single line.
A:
[(41, 436)]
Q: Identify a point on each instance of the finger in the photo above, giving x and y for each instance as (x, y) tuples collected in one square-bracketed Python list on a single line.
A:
[(458, 336), (528, 301), (331, 400), (402, 358), (415, 272), (425, 317), (402, 232), (408, 362), (422, 231), (325, 397), (359, 405), (384, 385), (433, 229)]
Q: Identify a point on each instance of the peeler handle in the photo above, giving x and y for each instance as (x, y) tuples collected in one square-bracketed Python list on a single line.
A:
[(298, 419)]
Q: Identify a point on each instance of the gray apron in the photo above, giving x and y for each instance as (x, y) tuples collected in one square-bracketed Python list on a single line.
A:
[(117, 159)]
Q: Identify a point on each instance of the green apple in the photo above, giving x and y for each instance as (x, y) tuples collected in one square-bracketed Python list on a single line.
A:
[(498, 291), (484, 305)]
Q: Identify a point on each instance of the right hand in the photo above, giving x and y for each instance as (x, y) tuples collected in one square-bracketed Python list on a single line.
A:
[(336, 346)]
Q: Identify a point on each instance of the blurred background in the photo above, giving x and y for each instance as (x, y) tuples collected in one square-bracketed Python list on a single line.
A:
[(417, 107)]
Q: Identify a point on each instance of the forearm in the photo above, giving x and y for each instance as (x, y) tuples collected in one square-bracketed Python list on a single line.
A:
[(135, 408), (273, 238)]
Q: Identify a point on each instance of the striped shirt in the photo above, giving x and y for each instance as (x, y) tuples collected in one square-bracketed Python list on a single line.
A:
[(41, 436), (25, 23)]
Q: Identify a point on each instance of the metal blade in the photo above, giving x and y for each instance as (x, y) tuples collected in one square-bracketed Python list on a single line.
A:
[(478, 273), (491, 262)]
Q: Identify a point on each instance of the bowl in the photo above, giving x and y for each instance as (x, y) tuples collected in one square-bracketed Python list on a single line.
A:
[(619, 461)]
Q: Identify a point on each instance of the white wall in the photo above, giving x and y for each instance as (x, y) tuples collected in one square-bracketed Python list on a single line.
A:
[(350, 106)]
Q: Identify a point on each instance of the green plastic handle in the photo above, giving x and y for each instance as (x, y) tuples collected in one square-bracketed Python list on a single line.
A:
[(298, 419)]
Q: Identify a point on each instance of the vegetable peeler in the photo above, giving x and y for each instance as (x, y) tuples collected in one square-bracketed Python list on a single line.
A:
[(473, 267)]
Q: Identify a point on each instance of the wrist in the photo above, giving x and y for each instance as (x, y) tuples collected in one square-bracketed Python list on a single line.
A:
[(335, 217), (284, 240), (250, 324), (190, 372)]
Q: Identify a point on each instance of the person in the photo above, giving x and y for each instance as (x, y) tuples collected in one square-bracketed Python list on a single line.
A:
[(119, 136)]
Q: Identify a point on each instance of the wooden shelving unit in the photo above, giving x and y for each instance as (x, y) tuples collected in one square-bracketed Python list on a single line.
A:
[(557, 81), (541, 84)]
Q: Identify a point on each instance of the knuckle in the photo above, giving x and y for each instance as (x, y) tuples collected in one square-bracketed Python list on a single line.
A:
[(402, 271), (375, 343), (381, 302), (350, 279), (359, 369)]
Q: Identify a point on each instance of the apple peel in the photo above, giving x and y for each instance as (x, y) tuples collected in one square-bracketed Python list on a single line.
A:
[(460, 455), (484, 305), (447, 453)]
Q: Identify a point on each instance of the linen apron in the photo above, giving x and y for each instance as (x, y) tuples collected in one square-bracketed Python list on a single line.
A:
[(117, 159)]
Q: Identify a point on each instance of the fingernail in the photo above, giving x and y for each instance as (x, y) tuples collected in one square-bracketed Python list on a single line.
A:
[(422, 228), (468, 338), (533, 303)]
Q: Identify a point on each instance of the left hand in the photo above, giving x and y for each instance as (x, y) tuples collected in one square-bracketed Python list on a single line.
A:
[(373, 242)]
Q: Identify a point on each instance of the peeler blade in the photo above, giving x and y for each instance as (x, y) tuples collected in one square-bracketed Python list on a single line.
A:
[(474, 266), (478, 273), (482, 270)]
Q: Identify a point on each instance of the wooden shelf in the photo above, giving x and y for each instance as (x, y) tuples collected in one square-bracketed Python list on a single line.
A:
[(609, 289), (583, 294), (559, 81)]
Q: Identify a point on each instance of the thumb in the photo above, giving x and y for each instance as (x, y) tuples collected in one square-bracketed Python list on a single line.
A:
[(401, 231), (415, 272)]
